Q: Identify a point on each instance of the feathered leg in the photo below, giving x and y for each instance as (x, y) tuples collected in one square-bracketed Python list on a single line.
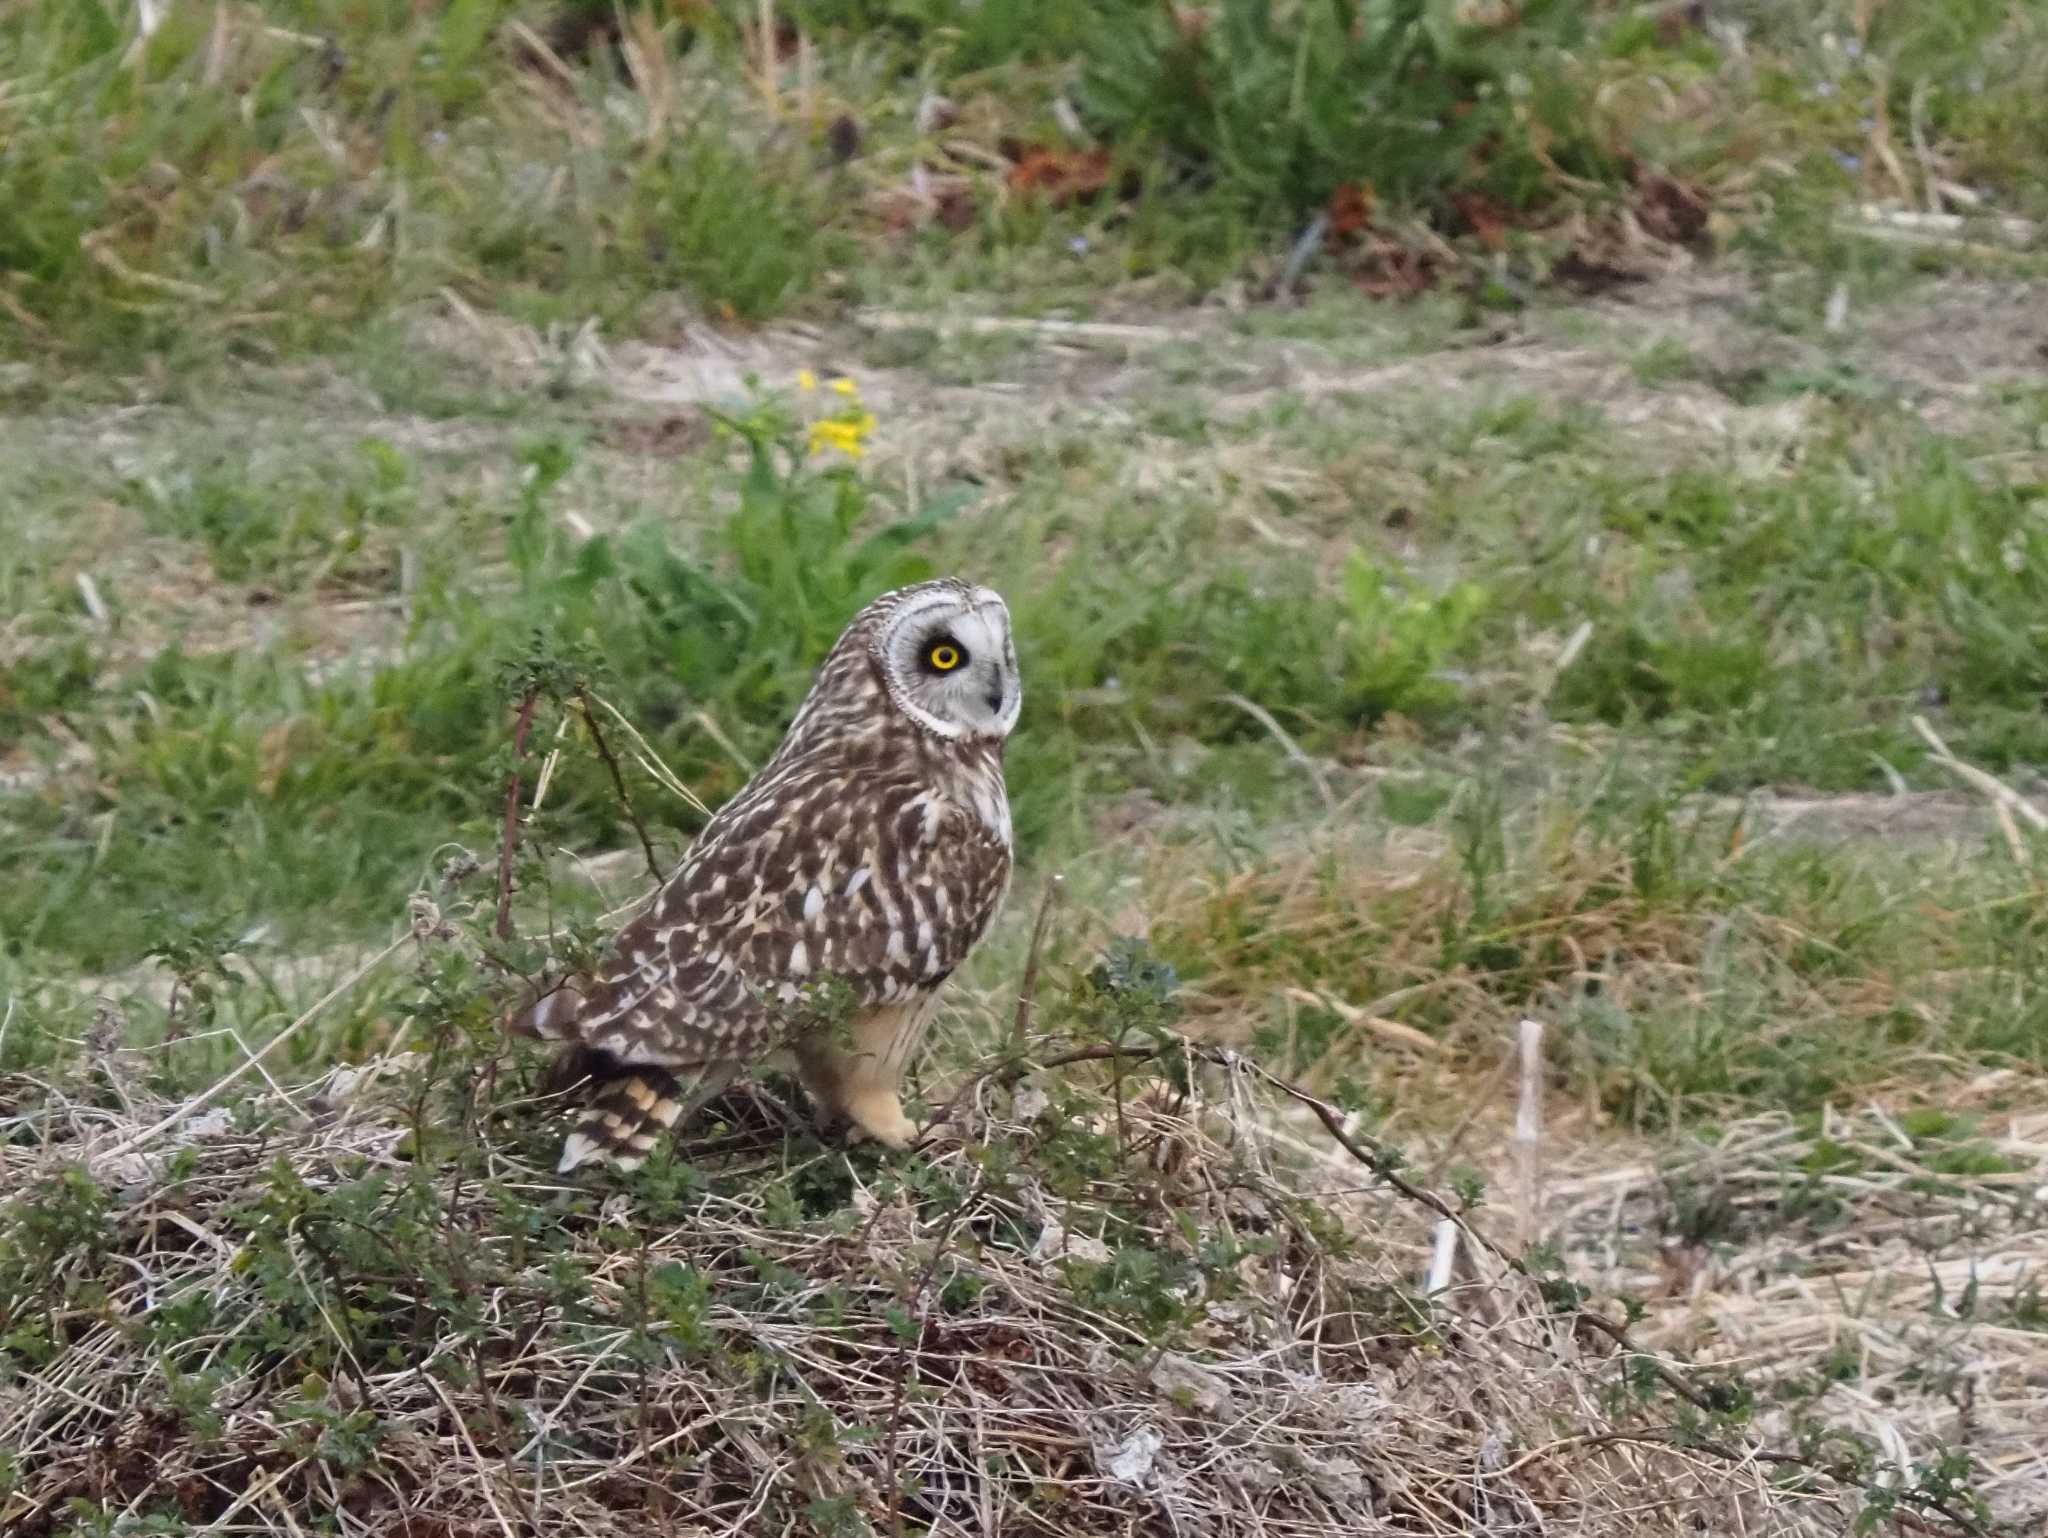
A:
[(860, 1079)]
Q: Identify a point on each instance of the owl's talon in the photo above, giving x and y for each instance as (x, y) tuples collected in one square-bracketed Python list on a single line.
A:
[(883, 1121), (896, 1137)]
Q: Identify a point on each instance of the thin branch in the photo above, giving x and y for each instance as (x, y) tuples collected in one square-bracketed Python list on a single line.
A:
[(1027, 994), (905, 1365), (508, 844), (618, 781), (1383, 1165)]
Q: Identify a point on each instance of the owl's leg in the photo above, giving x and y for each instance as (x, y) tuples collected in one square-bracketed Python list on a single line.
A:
[(846, 1088), (860, 1078)]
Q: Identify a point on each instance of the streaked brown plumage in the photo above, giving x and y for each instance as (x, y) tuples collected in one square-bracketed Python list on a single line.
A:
[(823, 907)]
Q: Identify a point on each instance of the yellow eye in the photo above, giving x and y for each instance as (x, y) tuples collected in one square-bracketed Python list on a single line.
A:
[(943, 657)]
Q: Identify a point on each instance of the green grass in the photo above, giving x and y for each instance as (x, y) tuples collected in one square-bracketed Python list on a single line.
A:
[(1688, 977), (1766, 628), (246, 768), (260, 184), (244, 188)]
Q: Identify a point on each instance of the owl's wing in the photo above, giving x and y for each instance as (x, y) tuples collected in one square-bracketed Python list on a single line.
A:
[(875, 881)]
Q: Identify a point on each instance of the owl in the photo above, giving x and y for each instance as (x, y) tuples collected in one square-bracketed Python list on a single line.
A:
[(819, 912)]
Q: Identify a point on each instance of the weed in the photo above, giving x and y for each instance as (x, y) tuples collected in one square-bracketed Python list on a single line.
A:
[(1272, 111), (804, 556), (1375, 649), (1942, 1484), (226, 187), (59, 1234), (306, 530), (163, 194)]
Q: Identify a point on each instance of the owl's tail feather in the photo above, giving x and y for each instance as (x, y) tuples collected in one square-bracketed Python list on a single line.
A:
[(628, 1108)]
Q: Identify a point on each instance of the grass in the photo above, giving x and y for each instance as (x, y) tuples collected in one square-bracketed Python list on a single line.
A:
[(260, 184), (1751, 631), (1099, 1307), (1692, 973), (1544, 609)]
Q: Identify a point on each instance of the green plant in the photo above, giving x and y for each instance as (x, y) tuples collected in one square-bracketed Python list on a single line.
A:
[(55, 1237), (163, 193), (803, 551), (303, 527), (1396, 640), (1275, 108), (1377, 647), (1943, 1485)]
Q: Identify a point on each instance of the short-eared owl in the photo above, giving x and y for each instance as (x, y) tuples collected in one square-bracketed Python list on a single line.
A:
[(825, 904)]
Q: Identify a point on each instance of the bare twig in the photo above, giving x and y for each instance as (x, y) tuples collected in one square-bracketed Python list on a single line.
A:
[(618, 782), (1529, 1132), (1027, 993), (1504, 1406), (1382, 1163), (1443, 1256), (508, 844)]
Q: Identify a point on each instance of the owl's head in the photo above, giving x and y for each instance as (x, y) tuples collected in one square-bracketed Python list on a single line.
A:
[(947, 660)]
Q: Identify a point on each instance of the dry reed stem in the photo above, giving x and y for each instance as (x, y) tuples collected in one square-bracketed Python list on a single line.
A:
[(1529, 1134)]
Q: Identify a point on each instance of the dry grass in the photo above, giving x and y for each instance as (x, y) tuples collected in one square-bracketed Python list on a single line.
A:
[(961, 1344), (1891, 1264), (1146, 1287), (1387, 934), (1699, 957)]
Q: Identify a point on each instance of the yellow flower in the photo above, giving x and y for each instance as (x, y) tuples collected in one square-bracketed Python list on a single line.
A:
[(806, 381), (847, 428), (845, 436)]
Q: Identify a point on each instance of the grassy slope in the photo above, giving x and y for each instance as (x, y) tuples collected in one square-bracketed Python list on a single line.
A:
[(303, 458)]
